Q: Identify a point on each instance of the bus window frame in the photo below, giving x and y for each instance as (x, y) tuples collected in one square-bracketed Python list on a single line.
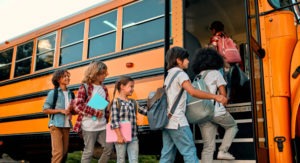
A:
[(77, 42), (23, 59), (45, 52), (9, 63), (143, 21), (103, 34)]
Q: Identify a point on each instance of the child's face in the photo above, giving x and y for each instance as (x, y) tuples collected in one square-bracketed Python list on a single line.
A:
[(183, 64), (128, 88), (65, 79), (102, 76)]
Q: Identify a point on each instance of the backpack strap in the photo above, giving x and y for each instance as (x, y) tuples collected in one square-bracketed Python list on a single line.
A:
[(55, 96), (172, 79), (179, 95)]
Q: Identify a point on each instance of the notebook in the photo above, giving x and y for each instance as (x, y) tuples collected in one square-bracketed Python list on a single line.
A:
[(97, 102), (125, 128)]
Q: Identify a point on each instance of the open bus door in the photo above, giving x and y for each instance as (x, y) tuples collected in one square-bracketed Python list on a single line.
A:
[(256, 53)]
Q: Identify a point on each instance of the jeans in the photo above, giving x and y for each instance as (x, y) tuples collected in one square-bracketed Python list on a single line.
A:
[(208, 132), (59, 143), (132, 149), (181, 139), (90, 138)]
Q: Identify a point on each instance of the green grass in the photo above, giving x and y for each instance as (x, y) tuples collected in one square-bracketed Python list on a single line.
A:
[(75, 157)]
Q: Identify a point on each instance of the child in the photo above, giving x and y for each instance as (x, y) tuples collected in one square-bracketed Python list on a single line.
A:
[(59, 122), (92, 130), (124, 109), (208, 61), (177, 134)]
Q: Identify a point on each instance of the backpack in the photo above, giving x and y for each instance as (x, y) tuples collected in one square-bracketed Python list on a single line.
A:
[(199, 110), (158, 106), (227, 48), (55, 96)]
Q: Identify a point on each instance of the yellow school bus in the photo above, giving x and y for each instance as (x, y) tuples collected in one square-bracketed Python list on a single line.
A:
[(132, 37)]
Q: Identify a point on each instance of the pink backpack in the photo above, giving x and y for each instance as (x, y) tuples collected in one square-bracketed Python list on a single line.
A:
[(227, 48)]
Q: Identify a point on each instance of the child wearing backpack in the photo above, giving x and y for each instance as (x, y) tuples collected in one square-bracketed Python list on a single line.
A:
[(125, 109), (227, 49), (177, 134), (208, 61), (58, 105), (93, 129)]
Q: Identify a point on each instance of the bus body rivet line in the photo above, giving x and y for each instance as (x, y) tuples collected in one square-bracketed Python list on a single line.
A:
[(279, 140)]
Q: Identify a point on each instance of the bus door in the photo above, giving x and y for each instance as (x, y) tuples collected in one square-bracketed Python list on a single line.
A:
[(256, 53), (198, 15)]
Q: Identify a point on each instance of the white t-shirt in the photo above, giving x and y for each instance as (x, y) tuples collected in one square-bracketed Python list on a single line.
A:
[(213, 80), (67, 124), (88, 123), (178, 118)]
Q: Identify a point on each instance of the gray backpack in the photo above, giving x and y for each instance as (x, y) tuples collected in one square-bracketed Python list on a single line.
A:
[(199, 110), (158, 106)]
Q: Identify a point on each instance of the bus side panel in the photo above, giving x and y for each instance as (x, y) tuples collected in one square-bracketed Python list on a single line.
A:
[(280, 41), (295, 89)]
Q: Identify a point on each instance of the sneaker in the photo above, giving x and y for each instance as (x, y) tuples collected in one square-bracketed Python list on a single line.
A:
[(225, 156)]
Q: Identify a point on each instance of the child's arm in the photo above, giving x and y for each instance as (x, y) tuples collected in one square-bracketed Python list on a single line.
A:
[(203, 95), (48, 104), (115, 121), (120, 139), (222, 90), (81, 107), (142, 109)]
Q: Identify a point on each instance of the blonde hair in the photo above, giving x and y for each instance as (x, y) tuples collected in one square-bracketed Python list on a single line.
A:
[(95, 68)]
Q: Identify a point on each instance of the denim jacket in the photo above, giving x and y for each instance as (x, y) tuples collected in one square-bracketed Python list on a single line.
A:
[(58, 120)]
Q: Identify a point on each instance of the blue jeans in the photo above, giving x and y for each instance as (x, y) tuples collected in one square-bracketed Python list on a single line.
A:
[(132, 149), (181, 139)]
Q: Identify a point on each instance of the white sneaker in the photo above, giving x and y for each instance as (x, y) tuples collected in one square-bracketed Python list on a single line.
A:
[(225, 156)]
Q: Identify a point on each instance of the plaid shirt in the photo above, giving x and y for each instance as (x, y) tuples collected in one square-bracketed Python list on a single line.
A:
[(126, 112), (81, 105)]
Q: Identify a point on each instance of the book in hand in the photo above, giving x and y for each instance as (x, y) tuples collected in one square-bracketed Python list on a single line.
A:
[(125, 128), (97, 102)]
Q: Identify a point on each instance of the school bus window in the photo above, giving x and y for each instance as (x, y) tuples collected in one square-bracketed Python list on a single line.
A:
[(23, 60), (5, 64), (71, 44), (279, 3), (102, 34), (45, 52), (144, 18)]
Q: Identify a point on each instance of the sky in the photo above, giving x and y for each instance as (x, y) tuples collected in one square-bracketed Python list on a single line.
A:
[(18, 17)]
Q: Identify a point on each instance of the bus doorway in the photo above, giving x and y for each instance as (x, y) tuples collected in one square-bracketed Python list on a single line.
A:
[(199, 14)]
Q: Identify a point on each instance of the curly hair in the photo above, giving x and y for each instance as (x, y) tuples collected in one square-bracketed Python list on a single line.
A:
[(95, 68), (57, 75), (207, 59), (173, 54)]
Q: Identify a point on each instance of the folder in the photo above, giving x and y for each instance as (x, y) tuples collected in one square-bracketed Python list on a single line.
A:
[(125, 128), (97, 102)]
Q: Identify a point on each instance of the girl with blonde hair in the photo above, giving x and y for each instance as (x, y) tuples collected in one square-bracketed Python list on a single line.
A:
[(93, 130)]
